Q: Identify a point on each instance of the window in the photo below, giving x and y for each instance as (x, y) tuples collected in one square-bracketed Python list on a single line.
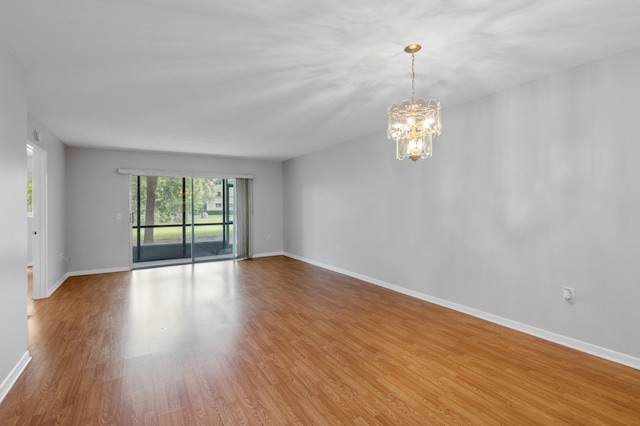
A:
[(29, 196)]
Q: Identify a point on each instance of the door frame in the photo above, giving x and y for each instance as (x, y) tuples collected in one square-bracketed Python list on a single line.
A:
[(40, 222)]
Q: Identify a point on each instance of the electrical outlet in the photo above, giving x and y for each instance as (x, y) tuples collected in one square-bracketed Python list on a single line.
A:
[(569, 294)]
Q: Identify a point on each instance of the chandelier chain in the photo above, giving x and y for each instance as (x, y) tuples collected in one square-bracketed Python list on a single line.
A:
[(413, 76)]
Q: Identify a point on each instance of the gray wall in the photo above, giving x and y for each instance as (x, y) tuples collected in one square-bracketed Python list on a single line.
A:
[(529, 190), (96, 193), (13, 222), (56, 208)]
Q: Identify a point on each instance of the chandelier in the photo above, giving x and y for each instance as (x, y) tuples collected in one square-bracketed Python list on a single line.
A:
[(413, 124)]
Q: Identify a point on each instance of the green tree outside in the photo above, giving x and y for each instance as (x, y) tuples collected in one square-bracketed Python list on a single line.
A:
[(29, 195)]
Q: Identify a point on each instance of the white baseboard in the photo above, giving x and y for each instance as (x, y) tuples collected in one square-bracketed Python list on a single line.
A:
[(61, 281), (579, 345), (14, 374), (56, 285), (98, 271), (275, 253)]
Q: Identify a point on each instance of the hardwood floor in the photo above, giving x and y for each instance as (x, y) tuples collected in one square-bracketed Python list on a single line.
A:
[(277, 341)]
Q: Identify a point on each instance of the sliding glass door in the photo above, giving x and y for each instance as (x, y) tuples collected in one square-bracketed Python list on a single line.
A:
[(213, 218), (177, 220)]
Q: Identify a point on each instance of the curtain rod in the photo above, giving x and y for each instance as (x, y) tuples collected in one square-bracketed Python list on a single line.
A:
[(174, 173)]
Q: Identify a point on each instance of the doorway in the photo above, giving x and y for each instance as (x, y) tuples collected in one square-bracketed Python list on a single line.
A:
[(181, 220), (37, 220)]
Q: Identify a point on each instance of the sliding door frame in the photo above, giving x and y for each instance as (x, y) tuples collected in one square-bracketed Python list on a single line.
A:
[(189, 248)]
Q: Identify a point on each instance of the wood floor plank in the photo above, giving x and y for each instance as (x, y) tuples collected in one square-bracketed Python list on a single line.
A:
[(277, 341)]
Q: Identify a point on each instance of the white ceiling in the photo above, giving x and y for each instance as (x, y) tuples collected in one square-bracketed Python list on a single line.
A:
[(280, 78)]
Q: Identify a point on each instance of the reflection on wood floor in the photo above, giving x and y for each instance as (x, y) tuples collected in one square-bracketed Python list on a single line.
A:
[(278, 341)]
